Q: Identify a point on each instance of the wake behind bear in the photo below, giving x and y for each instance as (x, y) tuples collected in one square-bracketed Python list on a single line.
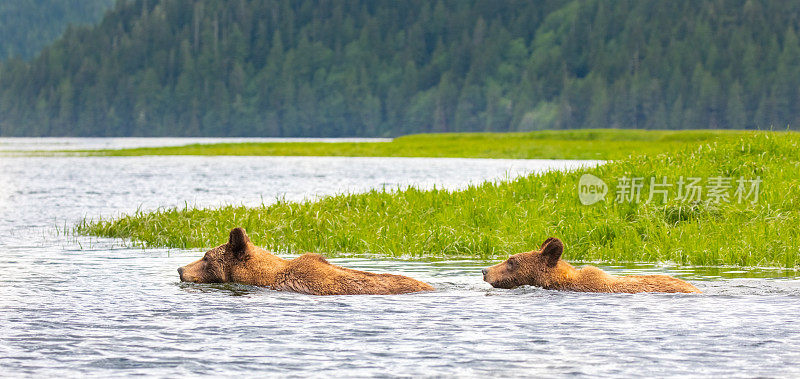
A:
[(242, 262), (545, 268)]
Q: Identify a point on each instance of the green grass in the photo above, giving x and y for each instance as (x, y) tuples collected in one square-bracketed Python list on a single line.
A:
[(496, 219), (577, 144)]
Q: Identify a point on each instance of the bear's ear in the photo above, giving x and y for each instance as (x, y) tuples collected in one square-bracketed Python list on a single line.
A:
[(552, 251), (237, 242), (548, 240)]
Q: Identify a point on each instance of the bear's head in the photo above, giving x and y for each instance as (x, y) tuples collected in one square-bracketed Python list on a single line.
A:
[(536, 268), (217, 264)]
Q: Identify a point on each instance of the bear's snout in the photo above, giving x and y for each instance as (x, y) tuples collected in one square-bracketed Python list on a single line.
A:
[(487, 276), (180, 273)]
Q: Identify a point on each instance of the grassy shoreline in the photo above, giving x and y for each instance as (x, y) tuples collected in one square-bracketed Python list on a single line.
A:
[(603, 144), (496, 219)]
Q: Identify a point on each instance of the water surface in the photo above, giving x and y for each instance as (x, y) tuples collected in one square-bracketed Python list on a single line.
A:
[(80, 306), (60, 143)]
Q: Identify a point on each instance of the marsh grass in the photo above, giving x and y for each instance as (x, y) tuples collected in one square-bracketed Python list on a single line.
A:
[(495, 219), (566, 144)]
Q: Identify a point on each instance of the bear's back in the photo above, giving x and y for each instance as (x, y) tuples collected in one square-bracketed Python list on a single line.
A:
[(313, 274), (593, 279), (653, 283)]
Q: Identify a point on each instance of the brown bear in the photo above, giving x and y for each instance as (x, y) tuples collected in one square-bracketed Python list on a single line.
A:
[(242, 262), (545, 268)]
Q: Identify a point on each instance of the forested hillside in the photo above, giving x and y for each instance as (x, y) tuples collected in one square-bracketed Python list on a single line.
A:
[(26, 26), (385, 67)]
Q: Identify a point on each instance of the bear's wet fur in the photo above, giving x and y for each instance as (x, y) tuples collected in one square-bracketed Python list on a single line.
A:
[(545, 268), (242, 262)]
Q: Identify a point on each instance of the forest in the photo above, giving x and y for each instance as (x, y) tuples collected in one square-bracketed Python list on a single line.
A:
[(27, 26), (388, 68)]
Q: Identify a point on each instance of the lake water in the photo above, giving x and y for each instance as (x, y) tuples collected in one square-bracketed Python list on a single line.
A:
[(8, 144), (80, 306)]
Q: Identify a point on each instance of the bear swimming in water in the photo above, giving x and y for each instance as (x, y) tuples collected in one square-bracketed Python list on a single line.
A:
[(545, 268), (242, 262)]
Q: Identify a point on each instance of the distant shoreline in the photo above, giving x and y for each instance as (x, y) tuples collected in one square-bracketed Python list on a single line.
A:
[(597, 144)]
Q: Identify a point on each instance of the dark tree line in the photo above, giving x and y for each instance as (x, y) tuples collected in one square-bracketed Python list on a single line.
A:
[(27, 26), (380, 67)]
